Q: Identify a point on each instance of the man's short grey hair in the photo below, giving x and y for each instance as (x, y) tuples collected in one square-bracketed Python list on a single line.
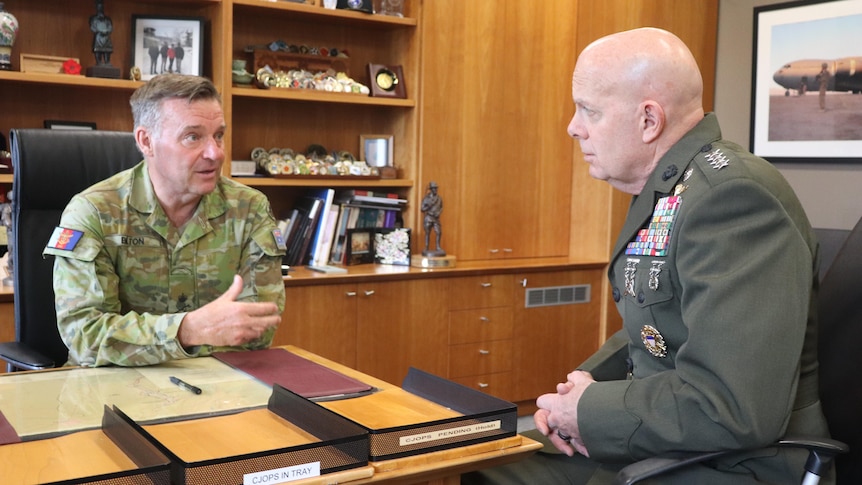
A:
[(147, 100)]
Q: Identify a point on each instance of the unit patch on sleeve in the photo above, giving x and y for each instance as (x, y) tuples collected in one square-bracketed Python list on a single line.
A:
[(279, 239), (64, 239)]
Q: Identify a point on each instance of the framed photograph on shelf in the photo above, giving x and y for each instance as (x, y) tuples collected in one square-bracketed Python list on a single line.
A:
[(167, 44), (359, 246), (806, 82), (69, 125), (392, 246), (376, 150)]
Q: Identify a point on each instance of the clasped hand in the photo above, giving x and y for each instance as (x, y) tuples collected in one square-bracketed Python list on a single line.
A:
[(225, 321), (557, 417)]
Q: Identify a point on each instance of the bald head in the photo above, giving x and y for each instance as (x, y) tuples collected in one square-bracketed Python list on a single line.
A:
[(646, 63), (636, 94)]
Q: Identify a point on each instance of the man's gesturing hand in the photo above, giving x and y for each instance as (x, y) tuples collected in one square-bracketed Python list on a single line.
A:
[(225, 321)]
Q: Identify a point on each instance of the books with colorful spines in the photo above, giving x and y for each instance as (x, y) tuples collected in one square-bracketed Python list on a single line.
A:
[(287, 230), (316, 247), (387, 198), (340, 235), (296, 234), (328, 235), (351, 217), (309, 208)]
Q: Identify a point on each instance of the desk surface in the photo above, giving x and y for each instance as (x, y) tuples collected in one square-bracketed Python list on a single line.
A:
[(154, 392)]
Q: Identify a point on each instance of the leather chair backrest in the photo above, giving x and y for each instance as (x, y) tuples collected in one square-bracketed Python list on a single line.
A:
[(50, 166), (840, 315)]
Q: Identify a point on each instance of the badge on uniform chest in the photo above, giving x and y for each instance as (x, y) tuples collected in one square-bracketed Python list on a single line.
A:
[(653, 341)]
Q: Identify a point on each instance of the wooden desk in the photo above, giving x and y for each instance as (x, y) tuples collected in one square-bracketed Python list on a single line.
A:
[(438, 468)]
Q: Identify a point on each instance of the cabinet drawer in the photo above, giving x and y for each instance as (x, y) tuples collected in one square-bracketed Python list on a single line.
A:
[(480, 292), (498, 385), (480, 325), (480, 358)]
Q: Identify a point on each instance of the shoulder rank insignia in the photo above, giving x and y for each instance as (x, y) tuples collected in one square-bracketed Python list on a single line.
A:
[(65, 239), (653, 341), (279, 239), (717, 159)]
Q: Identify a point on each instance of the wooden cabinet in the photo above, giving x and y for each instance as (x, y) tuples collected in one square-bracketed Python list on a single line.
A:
[(321, 319), (401, 324), (514, 334), (497, 91), (380, 328), (553, 338), (480, 333)]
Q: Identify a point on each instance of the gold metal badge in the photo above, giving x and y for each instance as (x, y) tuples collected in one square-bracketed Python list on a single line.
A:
[(653, 341)]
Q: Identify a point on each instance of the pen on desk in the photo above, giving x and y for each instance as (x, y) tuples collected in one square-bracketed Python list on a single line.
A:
[(186, 385)]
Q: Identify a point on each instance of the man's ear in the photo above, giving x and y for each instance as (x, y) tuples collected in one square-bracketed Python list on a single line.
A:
[(144, 141), (652, 120)]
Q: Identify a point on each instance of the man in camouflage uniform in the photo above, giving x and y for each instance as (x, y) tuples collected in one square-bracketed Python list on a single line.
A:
[(168, 260)]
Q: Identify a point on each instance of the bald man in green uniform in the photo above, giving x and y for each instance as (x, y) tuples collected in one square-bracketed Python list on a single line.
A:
[(714, 274), (168, 260)]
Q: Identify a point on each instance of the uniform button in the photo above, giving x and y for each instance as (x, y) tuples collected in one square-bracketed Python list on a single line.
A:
[(616, 294), (706, 148), (641, 297)]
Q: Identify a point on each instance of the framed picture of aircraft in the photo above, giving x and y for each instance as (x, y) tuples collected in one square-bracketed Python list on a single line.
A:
[(806, 97)]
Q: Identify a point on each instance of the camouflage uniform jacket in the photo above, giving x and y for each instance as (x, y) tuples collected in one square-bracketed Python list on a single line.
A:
[(125, 286)]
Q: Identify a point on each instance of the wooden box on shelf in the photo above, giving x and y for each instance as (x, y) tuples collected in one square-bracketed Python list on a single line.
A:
[(44, 64)]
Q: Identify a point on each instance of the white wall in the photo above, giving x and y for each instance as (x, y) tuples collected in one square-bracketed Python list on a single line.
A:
[(831, 194)]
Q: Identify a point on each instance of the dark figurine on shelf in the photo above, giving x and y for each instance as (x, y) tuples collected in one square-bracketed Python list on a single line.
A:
[(432, 206), (102, 27)]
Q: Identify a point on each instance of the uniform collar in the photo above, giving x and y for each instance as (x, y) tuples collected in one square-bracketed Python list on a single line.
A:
[(667, 174), (142, 196)]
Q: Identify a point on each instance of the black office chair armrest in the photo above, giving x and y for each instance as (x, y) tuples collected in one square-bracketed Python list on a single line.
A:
[(821, 453), (23, 357)]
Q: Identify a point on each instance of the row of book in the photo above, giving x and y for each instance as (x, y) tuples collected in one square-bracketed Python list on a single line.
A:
[(316, 228)]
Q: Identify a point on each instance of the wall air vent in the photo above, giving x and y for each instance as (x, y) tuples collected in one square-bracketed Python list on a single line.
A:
[(557, 295)]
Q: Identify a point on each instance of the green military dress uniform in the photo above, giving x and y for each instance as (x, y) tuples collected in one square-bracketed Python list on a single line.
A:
[(718, 299), (130, 277)]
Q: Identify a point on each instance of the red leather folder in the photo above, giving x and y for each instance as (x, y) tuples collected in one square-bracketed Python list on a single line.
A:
[(302, 376)]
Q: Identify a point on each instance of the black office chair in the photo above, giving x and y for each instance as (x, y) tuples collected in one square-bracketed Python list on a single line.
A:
[(50, 166), (840, 332)]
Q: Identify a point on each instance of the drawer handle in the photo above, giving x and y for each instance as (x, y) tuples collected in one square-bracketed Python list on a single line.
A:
[(484, 352), (493, 251), (524, 282), (486, 285), (507, 250), (369, 292), (483, 385), (350, 293), (484, 319)]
